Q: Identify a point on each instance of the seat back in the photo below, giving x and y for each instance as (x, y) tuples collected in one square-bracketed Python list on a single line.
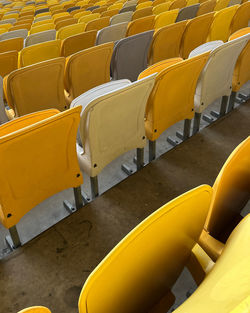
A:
[(143, 267), (143, 4), (33, 39), (172, 99), (128, 9), (215, 80), (110, 13), (221, 4), (87, 69), (3, 116), (40, 52), (177, 4), (130, 56), (122, 17), (25, 97), (22, 33), (14, 44), (166, 18), (88, 18), (226, 288), (166, 42), (231, 191), (187, 12), (140, 25), (42, 18), (41, 28), (112, 33), (70, 30), (66, 22), (195, 33), (8, 62), (241, 17), (142, 13), (42, 147), (162, 7), (220, 28), (98, 24), (79, 42)]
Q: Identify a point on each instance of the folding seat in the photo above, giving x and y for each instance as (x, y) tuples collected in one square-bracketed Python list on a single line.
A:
[(14, 15), (206, 7), (21, 26), (233, 2), (242, 68), (110, 13), (241, 17), (100, 9), (112, 33), (24, 21), (8, 21), (40, 52), (3, 116), (42, 18), (80, 14), (43, 22), (116, 6), (42, 143), (67, 22), (178, 4), (21, 33), (192, 2), (166, 18), (43, 15), (153, 271), (41, 28), (14, 44), (98, 24), (128, 9), (130, 56), (40, 37), (8, 62), (142, 13), (130, 3), (140, 25), (25, 97), (195, 33), (41, 10), (220, 28), (166, 42), (215, 80), (156, 2), (121, 17), (78, 43), (172, 99), (88, 18), (87, 69), (160, 8), (226, 288), (73, 9), (126, 102), (62, 14), (92, 8), (70, 30), (221, 4), (144, 5), (188, 12)]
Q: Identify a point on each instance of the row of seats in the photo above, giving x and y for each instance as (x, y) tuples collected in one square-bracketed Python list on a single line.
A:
[(196, 230), (115, 117)]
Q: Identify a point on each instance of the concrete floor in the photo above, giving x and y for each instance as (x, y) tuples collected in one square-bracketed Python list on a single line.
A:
[(51, 269)]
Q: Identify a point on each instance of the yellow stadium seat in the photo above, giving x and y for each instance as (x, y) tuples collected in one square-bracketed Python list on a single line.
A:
[(206, 7), (160, 8), (21, 26), (241, 17), (24, 21), (100, 10), (87, 69), (156, 2), (97, 24), (70, 30), (41, 28), (176, 227), (13, 44), (8, 62), (144, 5), (110, 13), (221, 4), (220, 28), (49, 21), (166, 18), (80, 14), (88, 18), (164, 107), (6, 26), (191, 2), (78, 43), (67, 22), (40, 52), (116, 6), (140, 25), (178, 4), (166, 42), (8, 16), (42, 143), (43, 14), (195, 33), (142, 13), (62, 14)]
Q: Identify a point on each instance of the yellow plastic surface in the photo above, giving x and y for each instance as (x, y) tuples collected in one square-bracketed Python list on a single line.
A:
[(36, 309), (226, 289), (141, 270), (67, 22), (241, 17), (87, 69), (172, 98), (21, 26), (220, 28), (221, 4), (89, 17), (41, 28), (191, 2), (206, 7), (178, 4), (110, 13), (44, 155), (195, 33), (144, 5), (140, 25), (166, 42), (166, 18), (8, 62), (142, 13), (98, 24), (78, 42), (80, 14), (40, 52), (14, 44), (160, 8)]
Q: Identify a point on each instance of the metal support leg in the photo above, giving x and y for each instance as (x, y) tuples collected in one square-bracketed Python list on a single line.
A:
[(80, 200), (187, 127), (139, 158), (78, 197), (231, 101), (197, 122), (223, 106), (94, 187), (152, 150), (13, 239)]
